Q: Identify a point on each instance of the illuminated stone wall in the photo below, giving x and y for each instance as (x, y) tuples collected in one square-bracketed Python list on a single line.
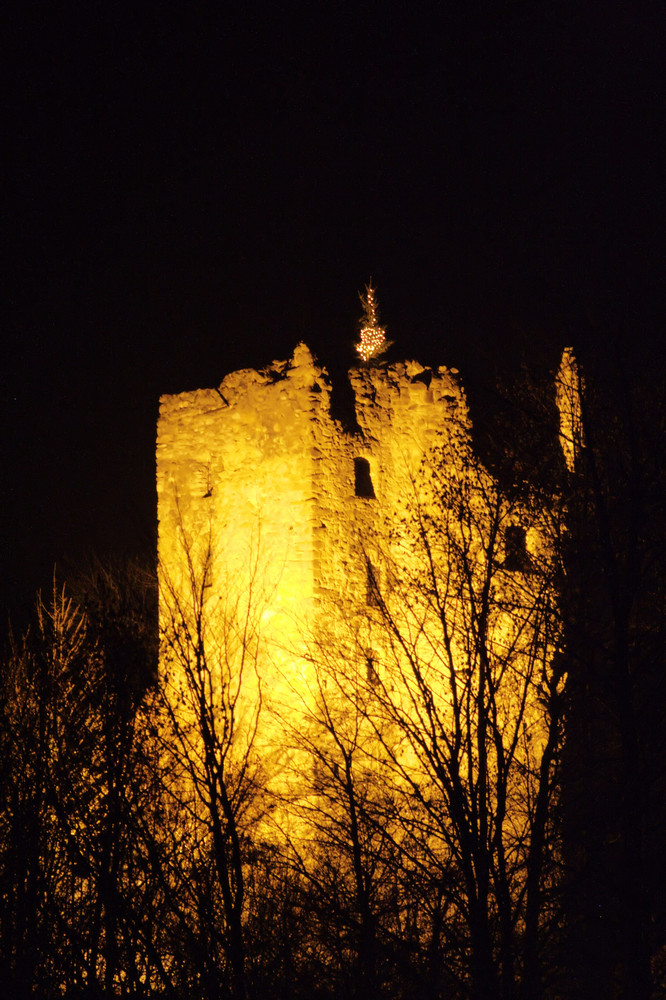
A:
[(259, 469), (259, 476)]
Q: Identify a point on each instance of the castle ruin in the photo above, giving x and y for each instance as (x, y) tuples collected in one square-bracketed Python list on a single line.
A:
[(304, 549)]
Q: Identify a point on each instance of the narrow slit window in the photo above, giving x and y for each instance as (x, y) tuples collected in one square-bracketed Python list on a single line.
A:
[(372, 593), (372, 676), (516, 556), (362, 479)]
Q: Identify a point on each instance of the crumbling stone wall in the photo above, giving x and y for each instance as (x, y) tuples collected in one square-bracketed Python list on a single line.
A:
[(260, 470), (292, 512)]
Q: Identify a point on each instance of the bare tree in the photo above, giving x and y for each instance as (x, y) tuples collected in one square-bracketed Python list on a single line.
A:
[(343, 843), (613, 770), (70, 779), (467, 710), (37, 681), (209, 710)]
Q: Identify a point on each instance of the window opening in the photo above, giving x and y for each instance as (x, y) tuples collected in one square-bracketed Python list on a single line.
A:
[(362, 479), (372, 676), (516, 557), (372, 593)]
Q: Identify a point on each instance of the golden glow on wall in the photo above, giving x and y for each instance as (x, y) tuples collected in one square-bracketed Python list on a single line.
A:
[(274, 515)]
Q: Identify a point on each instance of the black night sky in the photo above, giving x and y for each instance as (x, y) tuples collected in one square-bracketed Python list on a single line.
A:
[(189, 189)]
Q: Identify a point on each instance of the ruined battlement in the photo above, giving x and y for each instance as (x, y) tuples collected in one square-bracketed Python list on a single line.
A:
[(260, 467), (296, 551), (269, 510)]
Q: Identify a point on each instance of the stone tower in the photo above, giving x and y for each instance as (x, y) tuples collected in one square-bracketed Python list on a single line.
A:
[(290, 503), (289, 536)]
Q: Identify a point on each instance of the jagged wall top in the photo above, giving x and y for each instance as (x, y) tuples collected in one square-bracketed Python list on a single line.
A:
[(301, 370), (404, 390), (569, 388)]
